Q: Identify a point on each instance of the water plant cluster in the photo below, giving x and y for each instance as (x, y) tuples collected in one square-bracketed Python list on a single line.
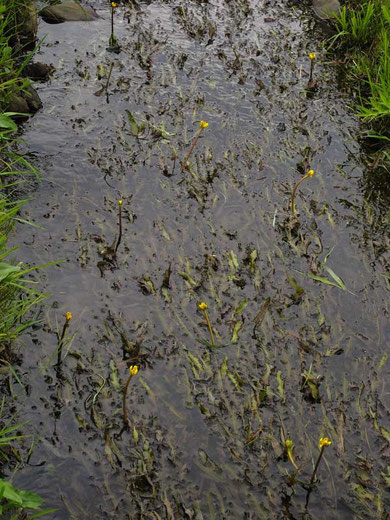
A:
[(212, 365)]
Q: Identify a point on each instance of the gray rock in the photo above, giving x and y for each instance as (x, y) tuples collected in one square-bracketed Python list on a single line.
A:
[(324, 9), (68, 12)]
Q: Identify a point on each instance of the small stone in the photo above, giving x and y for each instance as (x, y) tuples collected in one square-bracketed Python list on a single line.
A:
[(38, 71), (33, 100), (68, 12)]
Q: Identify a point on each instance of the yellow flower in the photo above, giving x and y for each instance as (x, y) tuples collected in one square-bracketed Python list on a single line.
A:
[(203, 124), (203, 306), (113, 5), (68, 316), (312, 55), (133, 369), (310, 173), (324, 441), (120, 202)]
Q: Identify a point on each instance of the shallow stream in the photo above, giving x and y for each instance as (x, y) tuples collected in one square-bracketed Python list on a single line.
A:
[(208, 425)]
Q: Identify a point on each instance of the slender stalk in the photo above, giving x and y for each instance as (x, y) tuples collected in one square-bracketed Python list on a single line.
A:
[(120, 202), (68, 317), (316, 466), (112, 37), (289, 448), (133, 370), (202, 126), (312, 57), (109, 76), (112, 26), (324, 442), (125, 419), (309, 174), (206, 315), (203, 307)]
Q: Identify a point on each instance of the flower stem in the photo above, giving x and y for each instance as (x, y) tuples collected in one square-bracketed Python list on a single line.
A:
[(316, 467), (120, 202), (191, 149), (61, 339), (206, 315), (293, 193), (125, 419), (112, 38), (311, 70)]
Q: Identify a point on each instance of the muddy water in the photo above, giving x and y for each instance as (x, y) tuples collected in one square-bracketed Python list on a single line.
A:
[(208, 425)]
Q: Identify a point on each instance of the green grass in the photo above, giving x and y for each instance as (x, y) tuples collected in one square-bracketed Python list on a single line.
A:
[(363, 36), (18, 295)]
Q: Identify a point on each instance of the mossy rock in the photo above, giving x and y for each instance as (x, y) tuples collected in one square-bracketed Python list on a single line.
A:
[(325, 9), (26, 101), (28, 22), (68, 12)]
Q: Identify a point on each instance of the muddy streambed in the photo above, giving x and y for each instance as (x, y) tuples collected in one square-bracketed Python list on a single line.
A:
[(208, 425)]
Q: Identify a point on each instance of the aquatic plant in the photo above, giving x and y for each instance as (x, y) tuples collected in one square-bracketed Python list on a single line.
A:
[(133, 371), (104, 88), (289, 445), (202, 126), (308, 175), (312, 84), (312, 57), (61, 338), (203, 307), (120, 203), (323, 443), (113, 41)]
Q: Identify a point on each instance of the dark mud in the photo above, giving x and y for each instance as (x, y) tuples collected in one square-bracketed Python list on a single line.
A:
[(208, 425)]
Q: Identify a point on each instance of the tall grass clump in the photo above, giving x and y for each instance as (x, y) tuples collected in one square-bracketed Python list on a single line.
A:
[(17, 293), (363, 36)]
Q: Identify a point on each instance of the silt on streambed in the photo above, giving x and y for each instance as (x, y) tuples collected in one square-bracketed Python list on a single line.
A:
[(208, 425)]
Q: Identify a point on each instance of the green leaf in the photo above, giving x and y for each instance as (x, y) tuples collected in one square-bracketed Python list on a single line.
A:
[(7, 269), (133, 123), (41, 513), (236, 330), (30, 500), (323, 280), (336, 278), (7, 123), (279, 378)]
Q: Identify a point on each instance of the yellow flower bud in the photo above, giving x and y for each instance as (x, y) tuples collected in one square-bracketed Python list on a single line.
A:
[(289, 444), (310, 173), (312, 55), (203, 306), (324, 441), (120, 202), (203, 124), (68, 316), (133, 369), (113, 5)]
